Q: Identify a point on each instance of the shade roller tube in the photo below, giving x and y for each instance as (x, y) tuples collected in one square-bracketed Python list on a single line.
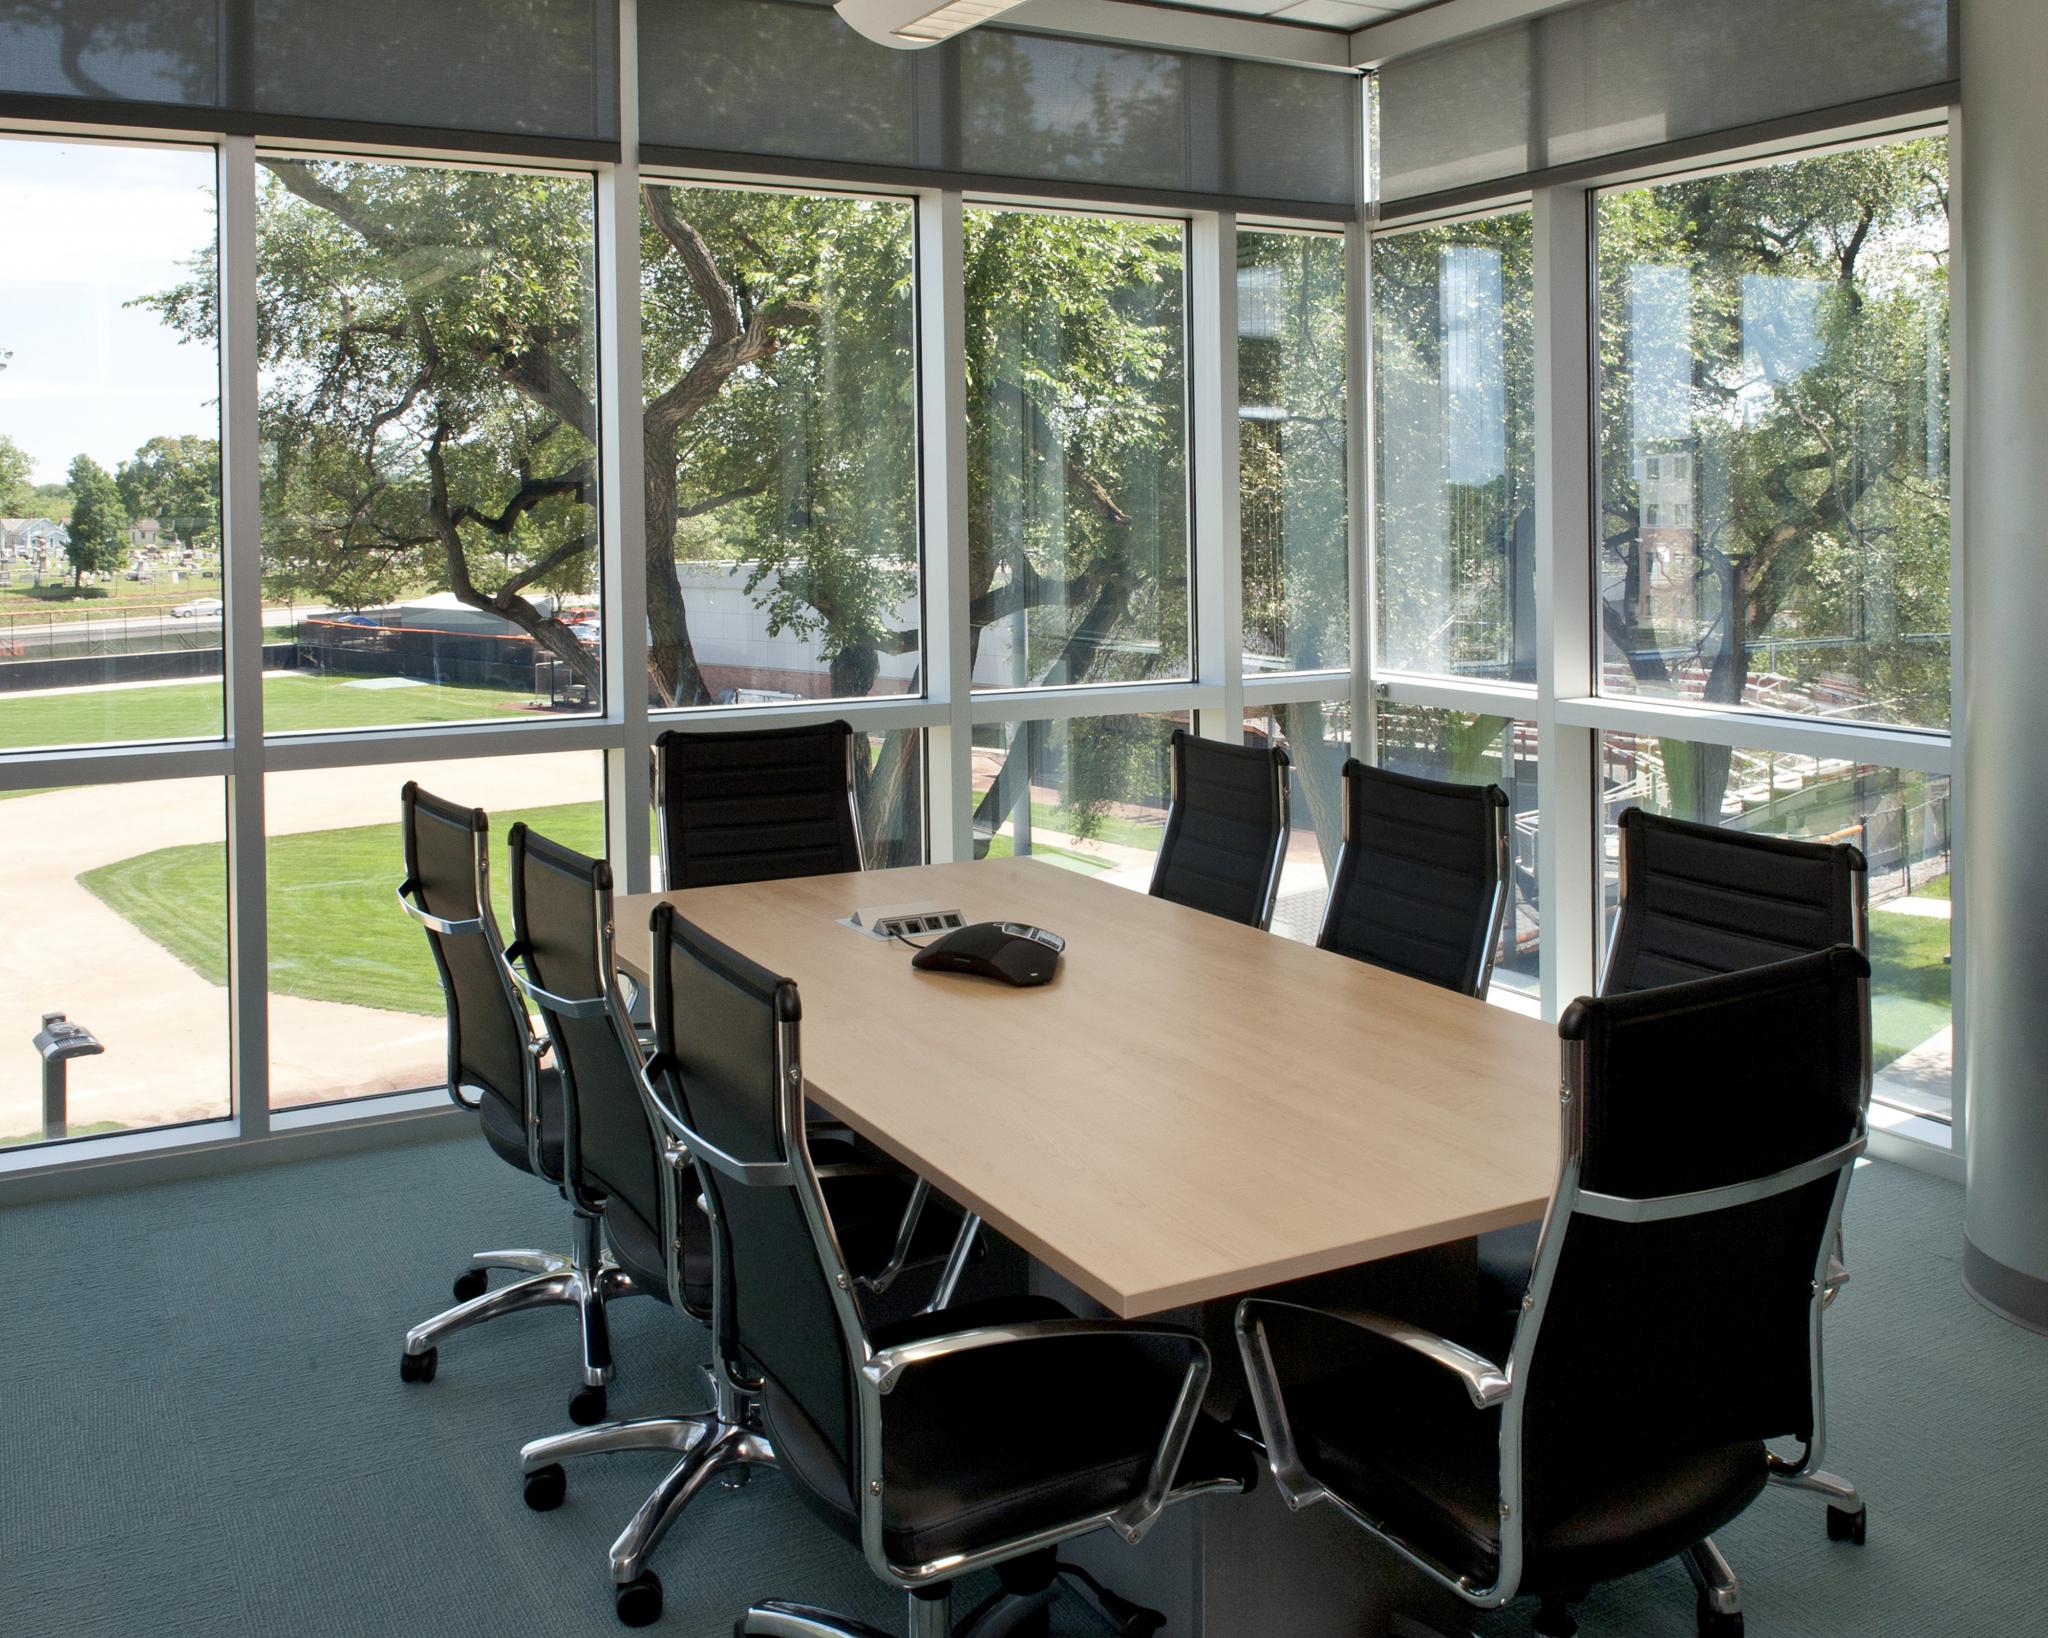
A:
[(1610, 77), (529, 75), (785, 82)]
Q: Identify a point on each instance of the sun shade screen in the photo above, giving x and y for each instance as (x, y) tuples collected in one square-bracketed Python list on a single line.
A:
[(1617, 76), (786, 81), (541, 70)]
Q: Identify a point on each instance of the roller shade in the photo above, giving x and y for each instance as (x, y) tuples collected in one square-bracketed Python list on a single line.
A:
[(518, 75), (786, 85), (1611, 77)]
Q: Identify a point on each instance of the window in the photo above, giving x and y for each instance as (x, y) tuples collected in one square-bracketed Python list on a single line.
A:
[(116, 903), (1454, 370), (1778, 336), (429, 430), (110, 567), (1292, 449), (1084, 793), (1077, 449), (1900, 819), (778, 354), (1473, 749), (355, 1004)]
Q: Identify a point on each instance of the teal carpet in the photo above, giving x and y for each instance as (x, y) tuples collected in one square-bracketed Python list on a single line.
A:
[(207, 1437)]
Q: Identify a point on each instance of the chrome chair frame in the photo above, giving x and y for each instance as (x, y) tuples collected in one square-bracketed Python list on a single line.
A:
[(578, 1279), (1497, 912), (1270, 893), (1842, 1497), (880, 1372), (1505, 1385)]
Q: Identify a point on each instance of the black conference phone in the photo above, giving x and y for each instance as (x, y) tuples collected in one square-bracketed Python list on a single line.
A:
[(1008, 950)]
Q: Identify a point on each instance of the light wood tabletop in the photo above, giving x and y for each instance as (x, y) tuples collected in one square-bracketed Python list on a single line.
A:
[(1190, 1110)]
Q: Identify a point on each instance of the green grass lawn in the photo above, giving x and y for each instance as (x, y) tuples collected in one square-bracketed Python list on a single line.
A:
[(335, 932), (1001, 847), (293, 702), (1909, 983)]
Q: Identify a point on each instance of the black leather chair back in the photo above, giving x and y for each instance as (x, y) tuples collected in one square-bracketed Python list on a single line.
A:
[(756, 805), (1666, 1340), (1419, 887), (717, 1016), (560, 902), (1226, 829), (445, 861), (1698, 900)]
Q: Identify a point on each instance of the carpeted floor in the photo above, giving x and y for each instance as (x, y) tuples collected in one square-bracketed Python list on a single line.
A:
[(206, 1436)]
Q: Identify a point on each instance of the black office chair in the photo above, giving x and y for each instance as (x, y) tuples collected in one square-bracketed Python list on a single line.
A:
[(1226, 829), (942, 1444), (1673, 1323), (618, 1163), (1695, 901), (756, 804), (1421, 884), (494, 1055)]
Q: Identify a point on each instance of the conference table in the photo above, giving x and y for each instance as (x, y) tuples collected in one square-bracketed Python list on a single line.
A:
[(1190, 1111)]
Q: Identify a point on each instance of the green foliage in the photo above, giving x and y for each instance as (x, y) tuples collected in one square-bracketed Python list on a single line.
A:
[(177, 482), (17, 489), (99, 522)]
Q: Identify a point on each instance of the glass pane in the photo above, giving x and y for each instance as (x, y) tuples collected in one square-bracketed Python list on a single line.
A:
[(355, 1004), (110, 587), (1457, 745), (1291, 451), (1773, 425), (779, 350), (1084, 793), (122, 927), (1318, 738), (1898, 818), (1454, 370), (429, 371), (1077, 449)]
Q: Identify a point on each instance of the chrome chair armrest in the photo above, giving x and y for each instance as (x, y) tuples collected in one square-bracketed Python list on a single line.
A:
[(888, 1366), (906, 1232), (1486, 1383), (434, 923)]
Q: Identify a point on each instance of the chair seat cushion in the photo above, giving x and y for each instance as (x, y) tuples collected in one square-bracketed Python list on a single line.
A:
[(993, 1445), (1412, 1452), (636, 1243), (504, 1133)]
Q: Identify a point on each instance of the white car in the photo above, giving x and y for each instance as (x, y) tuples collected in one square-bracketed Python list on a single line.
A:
[(200, 608)]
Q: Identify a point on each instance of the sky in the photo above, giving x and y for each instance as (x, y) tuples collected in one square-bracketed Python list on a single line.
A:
[(87, 228)]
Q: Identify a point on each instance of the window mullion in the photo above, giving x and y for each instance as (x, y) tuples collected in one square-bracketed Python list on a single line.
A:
[(942, 439), (1217, 558)]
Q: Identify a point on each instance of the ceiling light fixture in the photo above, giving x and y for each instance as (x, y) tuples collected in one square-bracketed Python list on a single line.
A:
[(910, 25)]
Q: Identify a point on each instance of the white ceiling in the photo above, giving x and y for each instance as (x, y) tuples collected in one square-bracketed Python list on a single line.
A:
[(1339, 14)]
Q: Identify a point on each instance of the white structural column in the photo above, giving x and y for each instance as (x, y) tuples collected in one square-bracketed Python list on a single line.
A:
[(2004, 616), (1217, 561)]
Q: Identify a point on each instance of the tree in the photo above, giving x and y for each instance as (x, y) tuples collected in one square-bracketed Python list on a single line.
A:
[(98, 530), (177, 482), (17, 477)]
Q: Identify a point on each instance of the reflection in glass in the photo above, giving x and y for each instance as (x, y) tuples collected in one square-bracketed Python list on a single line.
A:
[(1454, 362), (355, 1005), (1773, 425), (1077, 449), (1900, 819), (1085, 793), (1471, 749), (1318, 740), (113, 911), (1291, 450), (429, 424), (110, 583)]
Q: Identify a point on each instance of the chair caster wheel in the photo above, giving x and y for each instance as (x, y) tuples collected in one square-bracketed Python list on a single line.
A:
[(545, 1487), (587, 1405), (471, 1284), (1846, 1526), (639, 1600), (418, 1367), (1715, 1624)]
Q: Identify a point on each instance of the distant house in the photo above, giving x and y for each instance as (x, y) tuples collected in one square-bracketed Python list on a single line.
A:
[(143, 532), (31, 539)]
